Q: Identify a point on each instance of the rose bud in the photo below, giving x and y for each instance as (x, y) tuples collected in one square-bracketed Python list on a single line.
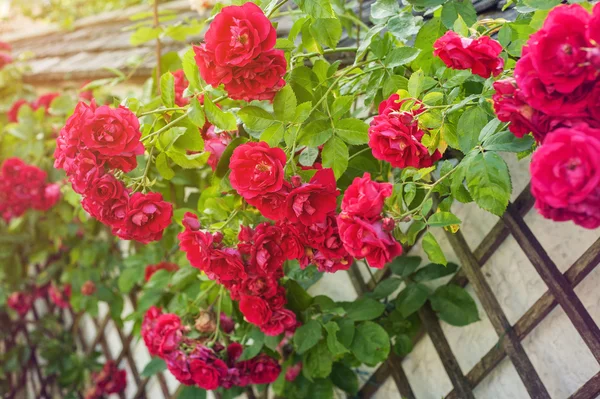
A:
[(388, 224), (227, 324)]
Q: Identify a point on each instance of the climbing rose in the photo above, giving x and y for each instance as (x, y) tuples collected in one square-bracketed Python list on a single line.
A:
[(272, 205), (180, 83), (257, 169), (44, 101), (263, 369), (565, 176), (60, 297), (161, 332), (364, 239), (13, 112), (365, 197), (311, 202), (20, 302), (207, 375), (147, 217), (481, 55), (510, 106), (195, 243), (151, 269), (255, 309), (215, 143), (395, 136)]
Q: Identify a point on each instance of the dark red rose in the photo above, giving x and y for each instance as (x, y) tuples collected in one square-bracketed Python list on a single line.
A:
[(227, 323), (281, 320), (151, 269), (272, 205), (239, 34), (365, 197), (162, 333), (147, 329), (312, 202), (196, 244), (293, 372), (234, 351), (207, 374), (20, 302), (481, 55), (263, 286), (13, 112), (565, 175), (395, 136), (365, 239), (257, 169), (255, 309), (88, 288), (292, 242), (181, 83), (60, 297), (225, 265), (178, 365), (266, 254), (147, 217), (510, 106), (264, 369), (558, 51)]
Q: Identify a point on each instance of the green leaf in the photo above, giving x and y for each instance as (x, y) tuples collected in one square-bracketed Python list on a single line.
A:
[(415, 83), (340, 106), (403, 345), (346, 333), (454, 305), (427, 35), (335, 156), (434, 271), (129, 277), (162, 164), (443, 219), (195, 113), (489, 129), (255, 118), (284, 104), (307, 336), (401, 56), (384, 9), (505, 35), (433, 98), (365, 309), (154, 366), (411, 299), (353, 131), (508, 142), (344, 378), (222, 120), (308, 156), (285, 44), (404, 265), (316, 8), (453, 9), (327, 31), (433, 250), (426, 3), (385, 288), (188, 161), (488, 181), (223, 165), (258, 341), (191, 392), (394, 83), (542, 4), (335, 347), (190, 69), (317, 362), (371, 344), (298, 298), (404, 26), (167, 90), (273, 134), (470, 124), (316, 133)]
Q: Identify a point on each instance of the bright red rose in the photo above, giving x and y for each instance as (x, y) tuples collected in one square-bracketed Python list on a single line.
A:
[(147, 329), (558, 51), (272, 205), (207, 375), (197, 244), (263, 286), (281, 320), (331, 263), (151, 269), (264, 369), (60, 297), (178, 364), (395, 136), (565, 175), (50, 197), (292, 243), (365, 197), (166, 334), (215, 143), (181, 83), (364, 239), (239, 34), (311, 203), (266, 255), (20, 302), (481, 55), (44, 101), (234, 351), (13, 112), (225, 265), (255, 309), (510, 106), (593, 32), (257, 169), (147, 217)]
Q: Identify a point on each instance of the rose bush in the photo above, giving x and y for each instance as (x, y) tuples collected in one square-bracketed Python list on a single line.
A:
[(259, 162)]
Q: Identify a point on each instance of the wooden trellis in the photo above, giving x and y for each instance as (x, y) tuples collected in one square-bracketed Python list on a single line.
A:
[(560, 292)]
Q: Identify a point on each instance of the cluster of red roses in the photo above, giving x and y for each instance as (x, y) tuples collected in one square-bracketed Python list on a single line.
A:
[(480, 55), (95, 140), (363, 231), (42, 101), (395, 135), (5, 57), (556, 96), (193, 363), (24, 187), (251, 272), (238, 53), (151, 269), (109, 380), (21, 301)]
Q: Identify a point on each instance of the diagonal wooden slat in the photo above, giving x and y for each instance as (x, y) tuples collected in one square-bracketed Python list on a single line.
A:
[(589, 390), (556, 282), (510, 342)]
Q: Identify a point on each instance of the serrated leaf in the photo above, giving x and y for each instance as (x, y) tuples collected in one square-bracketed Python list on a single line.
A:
[(433, 250), (327, 31), (488, 182), (162, 164), (335, 347), (401, 56), (154, 366), (316, 8), (340, 106), (273, 134), (190, 69), (508, 142), (307, 336), (365, 309), (443, 219), (284, 104), (470, 124), (222, 120), (317, 362), (371, 343), (308, 156), (384, 9), (353, 131), (415, 83), (434, 271), (335, 156), (403, 266), (316, 133), (195, 113)]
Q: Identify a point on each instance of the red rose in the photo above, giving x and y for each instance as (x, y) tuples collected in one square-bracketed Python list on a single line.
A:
[(20, 302), (207, 375), (255, 309), (147, 329), (165, 335), (593, 32), (50, 197), (565, 175), (225, 265), (215, 143), (510, 106), (558, 51), (60, 297), (196, 244), (227, 323), (234, 351), (364, 239), (395, 137), (239, 34), (44, 101), (481, 55), (266, 255), (88, 288), (291, 241), (263, 286), (257, 169), (148, 215), (311, 203), (281, 320), (13, 112), (181, 83), (293, 372), (264, 369), (272, 205), (151, 269), (365, 197), (594, 102), (178, 365)]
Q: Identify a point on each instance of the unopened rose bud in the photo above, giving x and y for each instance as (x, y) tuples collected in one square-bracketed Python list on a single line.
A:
[(205, 323), (296, 181), (227, 324), (217, 237), (388, 224), (88, 288)]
